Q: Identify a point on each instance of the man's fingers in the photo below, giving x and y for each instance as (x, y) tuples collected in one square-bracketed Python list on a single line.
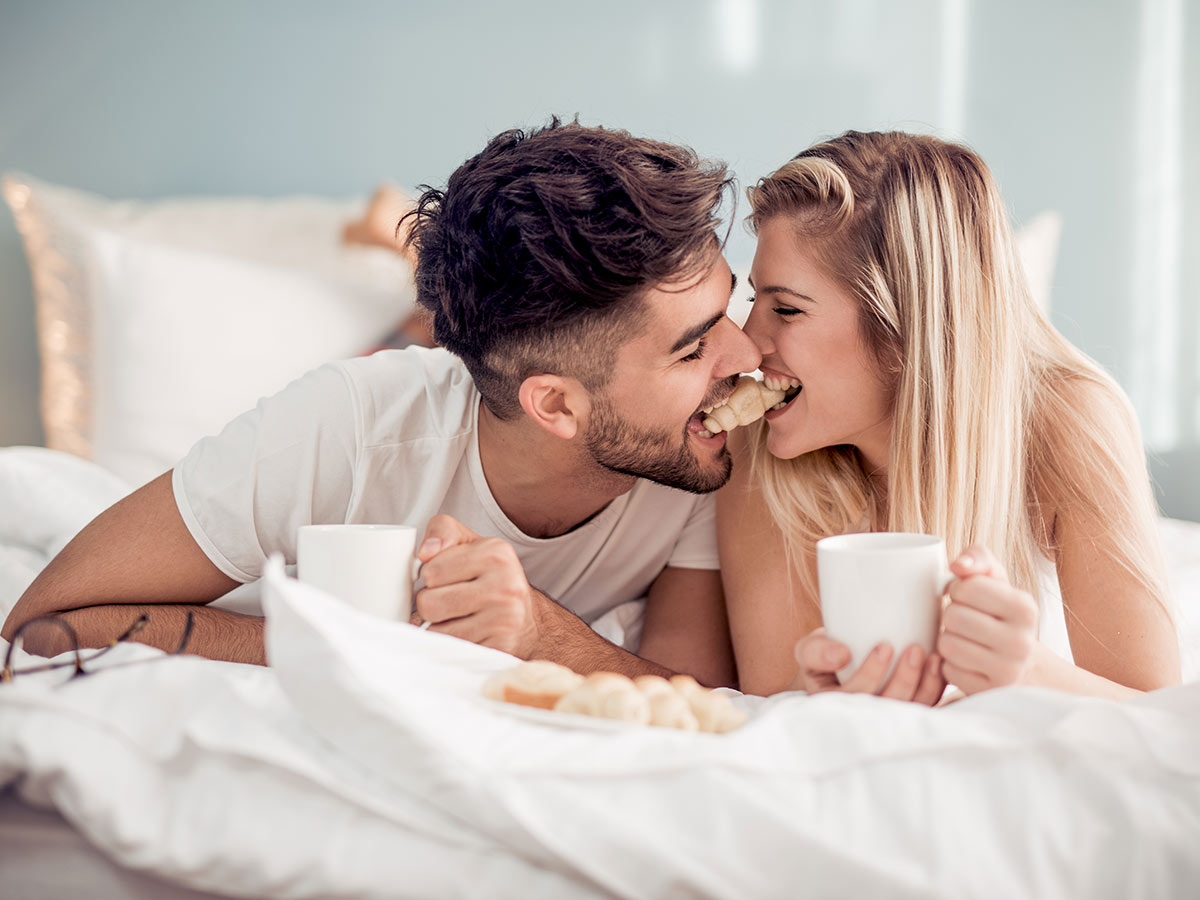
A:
[(467, 628), (459, 563), (442, 604), (443, 532)]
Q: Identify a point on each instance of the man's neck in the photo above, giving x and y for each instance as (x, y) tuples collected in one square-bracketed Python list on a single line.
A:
[(544, 485)]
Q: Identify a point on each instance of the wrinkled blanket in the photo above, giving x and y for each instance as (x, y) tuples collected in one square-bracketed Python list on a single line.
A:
[(365, 762)]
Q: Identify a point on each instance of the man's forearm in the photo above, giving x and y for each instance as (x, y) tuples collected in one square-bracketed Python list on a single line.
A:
[(566, 639), (216, 633)]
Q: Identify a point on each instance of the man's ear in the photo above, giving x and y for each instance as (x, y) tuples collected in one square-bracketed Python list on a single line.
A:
[(556, 403)]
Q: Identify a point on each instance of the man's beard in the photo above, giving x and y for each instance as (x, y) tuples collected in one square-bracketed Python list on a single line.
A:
[(619, 446)]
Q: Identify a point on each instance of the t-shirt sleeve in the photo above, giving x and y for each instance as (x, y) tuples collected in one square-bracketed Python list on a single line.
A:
[(288, 462), (696, 547)]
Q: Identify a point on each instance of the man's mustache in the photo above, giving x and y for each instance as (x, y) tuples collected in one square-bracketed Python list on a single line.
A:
[(719, 394)]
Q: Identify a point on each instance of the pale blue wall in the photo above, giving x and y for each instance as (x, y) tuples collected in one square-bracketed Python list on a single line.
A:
[(143, 99)]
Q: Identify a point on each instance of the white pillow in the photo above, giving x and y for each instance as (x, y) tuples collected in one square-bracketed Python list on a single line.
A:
[(1037, 245), (161, 320)]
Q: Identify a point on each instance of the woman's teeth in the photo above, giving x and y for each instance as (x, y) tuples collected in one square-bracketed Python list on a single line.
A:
[(780, 383)]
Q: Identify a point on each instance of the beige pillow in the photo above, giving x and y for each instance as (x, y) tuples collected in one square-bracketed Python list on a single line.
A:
[(161, 320)]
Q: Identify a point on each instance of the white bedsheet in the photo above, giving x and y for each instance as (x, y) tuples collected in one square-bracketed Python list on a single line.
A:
[(364, 763)]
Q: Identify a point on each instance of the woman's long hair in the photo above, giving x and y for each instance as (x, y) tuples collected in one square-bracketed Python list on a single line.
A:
[(915, 230)]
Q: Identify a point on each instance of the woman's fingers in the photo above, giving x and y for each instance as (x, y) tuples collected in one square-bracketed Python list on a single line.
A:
[(869, 676), (819, 659), (978, 560), (996, 598), (966, 654), (965, 680), (981, 628), (906, 677), (933, 682)]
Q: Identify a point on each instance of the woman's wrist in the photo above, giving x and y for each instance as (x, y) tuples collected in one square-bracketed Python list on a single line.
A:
[(1048, 669)]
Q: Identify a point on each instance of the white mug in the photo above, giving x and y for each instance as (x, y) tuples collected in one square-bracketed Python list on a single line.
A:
[(882, 586), (369, 567)]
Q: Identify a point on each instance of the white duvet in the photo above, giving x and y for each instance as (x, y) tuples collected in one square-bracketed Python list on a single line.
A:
[(365, 763)]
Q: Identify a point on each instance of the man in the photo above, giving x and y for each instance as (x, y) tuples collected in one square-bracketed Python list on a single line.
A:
[(575, 279)]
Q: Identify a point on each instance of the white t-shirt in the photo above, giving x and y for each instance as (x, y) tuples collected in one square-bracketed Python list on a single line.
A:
[(392, 439)]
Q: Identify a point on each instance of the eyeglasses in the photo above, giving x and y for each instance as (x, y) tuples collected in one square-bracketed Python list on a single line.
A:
[(79, 662)]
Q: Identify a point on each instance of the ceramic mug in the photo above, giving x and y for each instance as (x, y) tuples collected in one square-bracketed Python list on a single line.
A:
[(881, 586), (369, 567)]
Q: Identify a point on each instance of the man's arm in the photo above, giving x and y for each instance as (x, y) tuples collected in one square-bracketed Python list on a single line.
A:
[(137, 556), (476, 590)]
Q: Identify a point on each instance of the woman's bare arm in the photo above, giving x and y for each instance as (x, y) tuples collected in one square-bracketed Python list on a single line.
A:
[(1120, 625), (767, 616)]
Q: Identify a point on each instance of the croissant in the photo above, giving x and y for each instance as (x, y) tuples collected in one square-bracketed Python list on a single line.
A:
[(537, 682), (715, 712), (748, 403), (668, 708), (607, 695)]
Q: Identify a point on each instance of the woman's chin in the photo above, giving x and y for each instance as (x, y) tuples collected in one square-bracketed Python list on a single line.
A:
[(784, 446)]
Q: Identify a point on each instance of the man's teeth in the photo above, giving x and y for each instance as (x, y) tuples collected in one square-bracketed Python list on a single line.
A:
[(704, 434), (779, 383)]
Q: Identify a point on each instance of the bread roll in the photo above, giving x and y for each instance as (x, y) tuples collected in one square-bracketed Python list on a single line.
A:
[(748, 403), (668, 708), (607, 695), (715, 712), (537, 682)]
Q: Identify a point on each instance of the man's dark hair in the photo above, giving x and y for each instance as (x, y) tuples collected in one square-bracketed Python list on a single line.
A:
[(536, 256)]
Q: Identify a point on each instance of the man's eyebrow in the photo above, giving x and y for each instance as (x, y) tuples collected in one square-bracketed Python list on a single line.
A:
[(732, 284), (773, 289), (694, 334)]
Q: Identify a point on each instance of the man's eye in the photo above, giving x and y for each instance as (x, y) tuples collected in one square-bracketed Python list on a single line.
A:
[(695, 354)]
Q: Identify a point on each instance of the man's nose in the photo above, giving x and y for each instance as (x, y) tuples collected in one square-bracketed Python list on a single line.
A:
[(740, 354)]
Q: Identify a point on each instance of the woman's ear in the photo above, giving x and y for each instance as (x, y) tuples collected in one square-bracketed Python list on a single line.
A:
[(558, 404)]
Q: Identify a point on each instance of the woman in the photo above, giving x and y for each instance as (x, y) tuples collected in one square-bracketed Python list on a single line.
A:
[(934, 398)]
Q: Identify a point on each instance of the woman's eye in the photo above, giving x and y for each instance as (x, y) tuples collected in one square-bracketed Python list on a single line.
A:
[(787, 311), (695, 354)]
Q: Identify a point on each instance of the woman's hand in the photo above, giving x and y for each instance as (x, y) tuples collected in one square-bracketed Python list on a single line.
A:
[(917, 677), (989, 628)]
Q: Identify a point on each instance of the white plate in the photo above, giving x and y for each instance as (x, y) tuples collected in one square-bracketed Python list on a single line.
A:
[(557, 719)]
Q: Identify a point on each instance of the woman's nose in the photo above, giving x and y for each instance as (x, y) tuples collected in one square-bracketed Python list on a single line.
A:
[(758, 334)]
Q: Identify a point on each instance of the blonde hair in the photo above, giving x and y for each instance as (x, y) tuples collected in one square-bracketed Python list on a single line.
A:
[(914, 228)]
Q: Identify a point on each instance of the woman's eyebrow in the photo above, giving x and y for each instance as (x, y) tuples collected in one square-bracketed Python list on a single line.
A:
[(774, 289)]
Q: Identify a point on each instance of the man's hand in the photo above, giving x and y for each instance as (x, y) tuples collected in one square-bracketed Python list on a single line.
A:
[(475, 589), (917, 677), (989, 628)]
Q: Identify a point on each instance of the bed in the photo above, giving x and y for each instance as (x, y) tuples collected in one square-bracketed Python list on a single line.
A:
[(365, 762)]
